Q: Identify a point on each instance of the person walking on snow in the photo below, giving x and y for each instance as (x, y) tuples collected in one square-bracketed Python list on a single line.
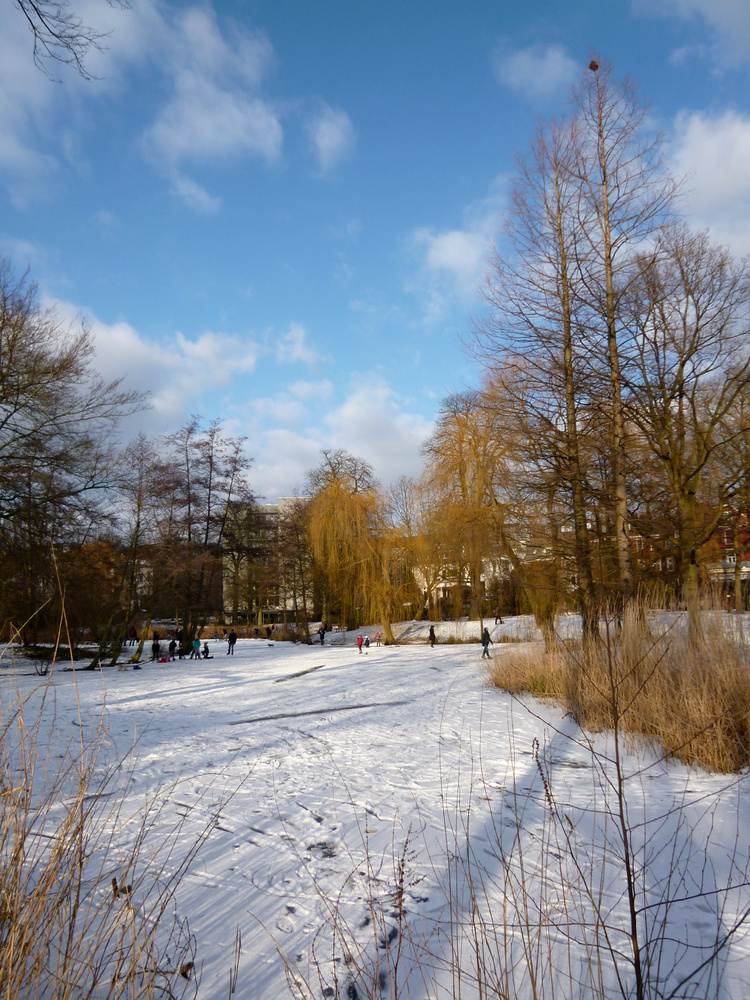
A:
[(360, 640), (231, 640), (432, 635), (486, 644)]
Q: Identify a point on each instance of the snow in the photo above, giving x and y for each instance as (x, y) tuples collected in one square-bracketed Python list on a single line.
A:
[(316, 765)]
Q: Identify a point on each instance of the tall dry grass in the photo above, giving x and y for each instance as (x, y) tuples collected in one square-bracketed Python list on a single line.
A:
[(689, 700), (83, 917)]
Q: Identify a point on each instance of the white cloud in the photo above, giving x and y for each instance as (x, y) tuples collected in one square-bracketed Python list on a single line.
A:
[(373, 423), (282, 408), (193, 195), (452, 263), (215, 112), (176, 373), (458, 254), (207, 122), (23, 253), (27, 102), (283, 457), (32, 107), (712, 153), (320, 390), (728, 22), (536, 72), (132, 34), (332, 136), (293, 346)]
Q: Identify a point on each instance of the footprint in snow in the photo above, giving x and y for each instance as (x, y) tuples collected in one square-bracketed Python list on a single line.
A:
[(287, 921)]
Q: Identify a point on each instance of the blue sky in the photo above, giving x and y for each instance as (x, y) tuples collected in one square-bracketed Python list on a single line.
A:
[(278, 212)]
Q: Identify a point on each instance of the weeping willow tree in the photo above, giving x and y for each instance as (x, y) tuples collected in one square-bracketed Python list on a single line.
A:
[(464, 459), (353, 548)]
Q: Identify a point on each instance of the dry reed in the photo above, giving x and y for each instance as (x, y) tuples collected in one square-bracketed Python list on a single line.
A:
[(690, 700), (81, 915)]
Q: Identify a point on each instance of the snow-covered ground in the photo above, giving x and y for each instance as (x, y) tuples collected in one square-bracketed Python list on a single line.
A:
[(321, 763)]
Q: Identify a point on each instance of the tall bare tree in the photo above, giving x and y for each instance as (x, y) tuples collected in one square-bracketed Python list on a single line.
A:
[(209, 476), (60, 35), (627, 200), (533, 339), (589, 199)]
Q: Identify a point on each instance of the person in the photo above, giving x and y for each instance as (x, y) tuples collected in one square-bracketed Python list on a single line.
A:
[(216, 635), (133, 637), (377, 638), (486, 644), (360, 640), (498, 618), (231, 639), (367, 644), (432, 636), (155, 647), (196, 654), (206, 654), (172, 647), (322, 634)]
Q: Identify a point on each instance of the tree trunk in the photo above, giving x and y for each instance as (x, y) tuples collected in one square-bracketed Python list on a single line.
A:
[(692, 600), (737, 548), (135, 658)]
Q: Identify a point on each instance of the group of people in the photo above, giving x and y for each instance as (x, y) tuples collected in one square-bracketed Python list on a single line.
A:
[(175, 648), (365, 641)]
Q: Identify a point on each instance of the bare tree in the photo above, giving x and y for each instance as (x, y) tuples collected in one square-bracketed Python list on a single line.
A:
[(60, 35), (57, 421), (628, 199), (340, 466), (685, 381), (589, 201), (533, 340), (209, 475)]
